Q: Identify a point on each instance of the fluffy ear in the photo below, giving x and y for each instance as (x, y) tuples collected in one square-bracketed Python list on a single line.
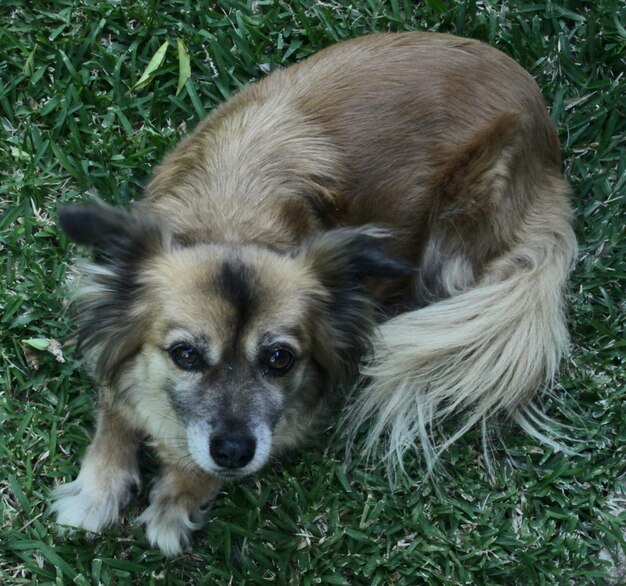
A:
[(113, 234), (348, 255), (341, 259), (109, 303)]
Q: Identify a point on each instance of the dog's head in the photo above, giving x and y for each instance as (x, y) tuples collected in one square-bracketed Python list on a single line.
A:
[(218, 344)]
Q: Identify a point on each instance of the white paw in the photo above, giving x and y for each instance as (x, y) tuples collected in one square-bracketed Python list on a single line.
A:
[(168, 525), (93, 501)]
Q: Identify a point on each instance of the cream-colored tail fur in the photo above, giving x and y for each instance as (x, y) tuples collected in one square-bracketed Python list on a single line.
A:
[(483, 351)]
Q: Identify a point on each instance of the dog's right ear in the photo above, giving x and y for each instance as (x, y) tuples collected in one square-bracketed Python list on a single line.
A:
[(113, 234), (109, 307)]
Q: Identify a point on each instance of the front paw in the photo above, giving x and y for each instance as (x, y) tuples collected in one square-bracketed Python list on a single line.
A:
[(93, 502), (178, 502), (169, 524)]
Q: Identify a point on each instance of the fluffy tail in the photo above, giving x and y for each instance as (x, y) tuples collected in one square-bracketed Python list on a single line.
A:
[(486, 350)]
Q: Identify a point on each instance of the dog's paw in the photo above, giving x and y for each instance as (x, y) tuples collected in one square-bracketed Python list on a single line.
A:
[(169, 524), (93, 501)]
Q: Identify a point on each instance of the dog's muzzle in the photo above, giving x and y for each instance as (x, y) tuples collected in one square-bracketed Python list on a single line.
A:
[(229, 453)]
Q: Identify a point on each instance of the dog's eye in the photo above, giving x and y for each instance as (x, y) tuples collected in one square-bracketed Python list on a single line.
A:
[(186, 357), (279, 361)]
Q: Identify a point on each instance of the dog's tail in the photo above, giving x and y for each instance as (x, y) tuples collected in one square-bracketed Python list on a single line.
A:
[(483, 350)]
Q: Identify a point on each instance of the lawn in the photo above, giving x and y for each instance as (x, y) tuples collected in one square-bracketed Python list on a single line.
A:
[(78, 117)]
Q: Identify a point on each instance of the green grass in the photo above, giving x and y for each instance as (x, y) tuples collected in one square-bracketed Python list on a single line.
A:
[(70, 125)]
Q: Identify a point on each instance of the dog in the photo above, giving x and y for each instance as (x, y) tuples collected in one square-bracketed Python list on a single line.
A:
[(388, 214)]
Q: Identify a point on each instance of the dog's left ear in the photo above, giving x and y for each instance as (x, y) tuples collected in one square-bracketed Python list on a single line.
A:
[(344, 317), (348, 255)]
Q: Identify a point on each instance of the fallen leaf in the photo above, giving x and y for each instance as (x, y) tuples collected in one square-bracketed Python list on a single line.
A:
[(154, 64)]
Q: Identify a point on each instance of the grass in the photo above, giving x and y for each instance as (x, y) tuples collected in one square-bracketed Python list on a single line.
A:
[(71, 124)]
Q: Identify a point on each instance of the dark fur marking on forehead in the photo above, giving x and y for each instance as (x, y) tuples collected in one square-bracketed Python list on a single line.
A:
[(237, 282)]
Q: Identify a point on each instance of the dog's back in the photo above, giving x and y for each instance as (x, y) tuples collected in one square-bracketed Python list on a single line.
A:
[(399, 130)]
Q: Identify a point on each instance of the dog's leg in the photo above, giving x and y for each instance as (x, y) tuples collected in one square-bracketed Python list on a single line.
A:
[(176, 507), (107, 478)]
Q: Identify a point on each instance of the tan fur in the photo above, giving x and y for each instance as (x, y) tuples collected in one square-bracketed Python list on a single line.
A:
[(256, 233), (95, 500)]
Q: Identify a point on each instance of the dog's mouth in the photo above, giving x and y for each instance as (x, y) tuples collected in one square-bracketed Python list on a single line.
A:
[(227, 475), (229, 454)]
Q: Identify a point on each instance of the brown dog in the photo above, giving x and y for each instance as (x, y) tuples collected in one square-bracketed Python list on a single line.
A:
[(410, 179)]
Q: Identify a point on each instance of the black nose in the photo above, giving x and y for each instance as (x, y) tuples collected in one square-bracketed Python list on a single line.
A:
[(232, 450)]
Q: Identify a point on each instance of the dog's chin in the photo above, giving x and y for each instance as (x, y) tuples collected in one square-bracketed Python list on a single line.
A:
[(199, 439)]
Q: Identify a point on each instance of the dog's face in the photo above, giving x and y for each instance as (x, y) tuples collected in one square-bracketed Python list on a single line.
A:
[(231, 344), (213, 345)]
